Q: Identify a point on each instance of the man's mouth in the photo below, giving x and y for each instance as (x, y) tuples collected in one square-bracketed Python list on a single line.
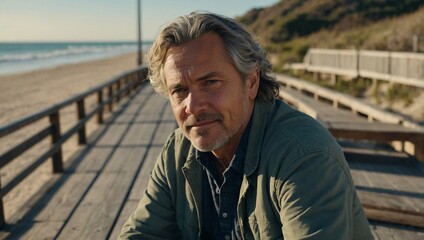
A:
[(201, 124), (202, 120)]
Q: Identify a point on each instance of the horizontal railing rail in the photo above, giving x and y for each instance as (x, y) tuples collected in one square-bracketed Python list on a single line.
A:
[(340, 100), (360, 108), (398, 67), (118, 87)]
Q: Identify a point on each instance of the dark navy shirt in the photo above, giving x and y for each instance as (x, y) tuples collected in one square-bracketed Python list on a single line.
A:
[(221, 194)]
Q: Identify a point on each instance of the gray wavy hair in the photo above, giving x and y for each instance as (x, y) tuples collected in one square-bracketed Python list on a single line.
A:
[(245, 53)]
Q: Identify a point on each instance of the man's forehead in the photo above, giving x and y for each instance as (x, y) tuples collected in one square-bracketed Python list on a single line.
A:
[(188, 57), (177, 64)]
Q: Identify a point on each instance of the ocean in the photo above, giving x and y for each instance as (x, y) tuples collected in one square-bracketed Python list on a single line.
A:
[(27, 56)]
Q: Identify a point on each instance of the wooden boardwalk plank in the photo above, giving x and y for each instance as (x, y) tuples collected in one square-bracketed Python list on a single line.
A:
[(138, 188), (99, 209), (141, 182), (128, 209), (387, 231), (46, 217), (388, 189), (154, 151)]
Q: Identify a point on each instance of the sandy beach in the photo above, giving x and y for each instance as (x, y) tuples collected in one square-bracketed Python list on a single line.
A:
[(26, 93)]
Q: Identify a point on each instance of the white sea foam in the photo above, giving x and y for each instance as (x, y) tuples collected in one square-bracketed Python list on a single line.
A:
[(20, 57), (69, 51)]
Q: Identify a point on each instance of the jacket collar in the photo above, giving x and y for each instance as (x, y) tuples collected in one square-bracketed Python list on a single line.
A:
[(192, 172), (259, 123)]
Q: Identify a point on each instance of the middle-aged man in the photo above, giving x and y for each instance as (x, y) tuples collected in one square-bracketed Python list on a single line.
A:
[(242, 164)]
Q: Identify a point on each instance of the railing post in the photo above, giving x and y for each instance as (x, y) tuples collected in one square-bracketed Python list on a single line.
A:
[(110, 93), (124, 84), (118, 88), (127, 83), (335, 104), (2, 220), (142, 74), (407, 66), (358, 62), (415, 43), (419, 150), (374, 86), (100, 102), (81, 114), (333, 80), (57, 157), (134, 82)]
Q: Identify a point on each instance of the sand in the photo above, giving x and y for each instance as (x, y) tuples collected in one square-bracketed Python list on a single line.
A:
[(26, 93)]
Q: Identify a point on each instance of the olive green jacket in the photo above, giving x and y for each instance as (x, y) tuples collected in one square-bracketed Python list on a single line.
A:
[(296, 185)]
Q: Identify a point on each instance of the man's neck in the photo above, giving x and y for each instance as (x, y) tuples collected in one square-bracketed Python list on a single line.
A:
[(225, 155)]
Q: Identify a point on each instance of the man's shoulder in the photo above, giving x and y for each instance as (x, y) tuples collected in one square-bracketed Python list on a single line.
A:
[(294, 129), (293, 122), (293, 138), (176, 140)]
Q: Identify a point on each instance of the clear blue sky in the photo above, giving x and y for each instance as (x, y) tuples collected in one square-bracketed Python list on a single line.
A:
[(98, 20)]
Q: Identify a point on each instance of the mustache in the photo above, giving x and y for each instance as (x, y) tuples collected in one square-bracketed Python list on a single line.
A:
[(203, 117)]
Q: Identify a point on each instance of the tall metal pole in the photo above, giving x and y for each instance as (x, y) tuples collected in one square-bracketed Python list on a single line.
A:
[(140, 56)]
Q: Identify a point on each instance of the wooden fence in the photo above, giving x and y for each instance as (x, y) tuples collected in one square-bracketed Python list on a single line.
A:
[(396, 67), (118, 87)]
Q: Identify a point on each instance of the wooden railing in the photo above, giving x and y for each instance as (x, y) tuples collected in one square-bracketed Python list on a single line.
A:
[(397, 67), (360, 108), (343, 101), (118, 87), (341, 62)]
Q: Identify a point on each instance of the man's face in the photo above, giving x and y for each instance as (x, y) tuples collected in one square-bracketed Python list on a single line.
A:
[(211, 103)]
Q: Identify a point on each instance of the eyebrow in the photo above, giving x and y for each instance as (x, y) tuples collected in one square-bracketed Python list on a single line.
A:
[(209, 75), (201, 78), (174, 86)]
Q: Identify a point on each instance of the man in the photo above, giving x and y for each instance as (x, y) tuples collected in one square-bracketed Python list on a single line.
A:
[(242, 165)]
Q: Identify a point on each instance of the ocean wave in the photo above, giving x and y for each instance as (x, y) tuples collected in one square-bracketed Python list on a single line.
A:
[(68, 51)]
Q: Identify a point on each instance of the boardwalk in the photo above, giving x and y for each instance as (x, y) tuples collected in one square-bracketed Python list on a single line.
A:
[(102, 183)]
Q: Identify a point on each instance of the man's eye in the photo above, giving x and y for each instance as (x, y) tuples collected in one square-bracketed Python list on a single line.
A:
[(178, 90), (211, 82)]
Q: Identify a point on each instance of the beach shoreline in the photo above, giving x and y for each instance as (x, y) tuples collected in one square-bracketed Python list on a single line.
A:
[(23, 94), (18, 57)]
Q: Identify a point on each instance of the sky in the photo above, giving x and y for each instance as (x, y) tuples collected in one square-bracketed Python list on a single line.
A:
[(102, 20)]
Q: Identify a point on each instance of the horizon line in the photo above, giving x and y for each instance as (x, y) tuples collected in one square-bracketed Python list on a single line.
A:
[(70, 41)]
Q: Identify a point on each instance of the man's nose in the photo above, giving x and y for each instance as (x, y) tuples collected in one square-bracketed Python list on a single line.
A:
[(195, 103)]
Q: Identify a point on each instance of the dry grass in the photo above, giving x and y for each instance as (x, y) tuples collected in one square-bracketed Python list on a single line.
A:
[(290, 27)]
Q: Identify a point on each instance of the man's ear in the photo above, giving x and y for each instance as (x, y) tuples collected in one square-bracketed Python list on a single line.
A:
[(252, 84)]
